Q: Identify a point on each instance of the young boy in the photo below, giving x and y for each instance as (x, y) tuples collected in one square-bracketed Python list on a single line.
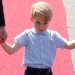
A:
[(39, 42)]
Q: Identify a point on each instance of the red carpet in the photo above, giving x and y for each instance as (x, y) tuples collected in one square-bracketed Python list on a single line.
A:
[(17, 16)]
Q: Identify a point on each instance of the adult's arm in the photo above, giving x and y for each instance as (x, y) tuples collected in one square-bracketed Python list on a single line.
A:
[(2, 20)]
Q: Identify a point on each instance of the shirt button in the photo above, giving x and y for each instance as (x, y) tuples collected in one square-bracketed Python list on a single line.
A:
[(40, 40), (42, 54), (41, 47)]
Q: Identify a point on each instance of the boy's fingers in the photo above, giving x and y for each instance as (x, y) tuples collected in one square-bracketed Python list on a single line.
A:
[(2, 41), (4, 38), (0, 34), (4, 35)]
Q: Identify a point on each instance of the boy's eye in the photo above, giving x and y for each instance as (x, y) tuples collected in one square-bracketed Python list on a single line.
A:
[(38, 22), (45, 23)]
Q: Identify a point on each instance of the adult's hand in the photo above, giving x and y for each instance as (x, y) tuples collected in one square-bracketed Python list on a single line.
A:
[(3, 34)]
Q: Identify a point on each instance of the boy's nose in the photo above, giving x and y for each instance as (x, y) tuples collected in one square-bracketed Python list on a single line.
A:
[(41, 26)]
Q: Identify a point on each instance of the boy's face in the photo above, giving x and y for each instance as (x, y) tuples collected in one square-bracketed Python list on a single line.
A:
[(39, 24)]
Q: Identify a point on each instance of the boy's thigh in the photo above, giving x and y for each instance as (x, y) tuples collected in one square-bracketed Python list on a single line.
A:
[(32, 73), (26, 73), (50, 73)]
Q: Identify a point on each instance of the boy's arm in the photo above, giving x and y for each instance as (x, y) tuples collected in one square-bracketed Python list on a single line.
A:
[(70, 45), (10, 49)]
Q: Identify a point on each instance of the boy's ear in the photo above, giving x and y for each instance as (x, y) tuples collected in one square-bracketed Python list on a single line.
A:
[(31, 19)]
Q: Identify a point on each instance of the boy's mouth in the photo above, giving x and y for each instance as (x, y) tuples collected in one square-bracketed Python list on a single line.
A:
[(41, 30)]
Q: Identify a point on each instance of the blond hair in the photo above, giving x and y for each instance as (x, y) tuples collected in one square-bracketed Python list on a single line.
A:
[(43, 9)]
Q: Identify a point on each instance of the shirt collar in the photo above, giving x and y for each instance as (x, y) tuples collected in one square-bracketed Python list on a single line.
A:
[(34, 31)]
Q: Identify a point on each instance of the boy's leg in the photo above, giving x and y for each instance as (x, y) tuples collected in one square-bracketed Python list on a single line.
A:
[(38, 73), (50, 73), (30, 73)]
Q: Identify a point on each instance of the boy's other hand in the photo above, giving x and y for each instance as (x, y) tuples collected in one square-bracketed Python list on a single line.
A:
[(3, 34)]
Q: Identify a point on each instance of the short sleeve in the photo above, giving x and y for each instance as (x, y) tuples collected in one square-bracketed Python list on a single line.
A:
[(22, 39), (59, 40)]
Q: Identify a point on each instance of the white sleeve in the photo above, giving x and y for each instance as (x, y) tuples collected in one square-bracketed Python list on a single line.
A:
[(22, 39)]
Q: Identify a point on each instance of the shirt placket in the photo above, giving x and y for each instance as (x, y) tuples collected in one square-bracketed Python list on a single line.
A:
[(41, 50)]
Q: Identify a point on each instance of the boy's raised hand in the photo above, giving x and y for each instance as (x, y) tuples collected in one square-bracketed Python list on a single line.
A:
[(3, 34)]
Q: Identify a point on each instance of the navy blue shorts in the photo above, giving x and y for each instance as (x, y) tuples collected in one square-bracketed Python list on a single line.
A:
[(36, 71)]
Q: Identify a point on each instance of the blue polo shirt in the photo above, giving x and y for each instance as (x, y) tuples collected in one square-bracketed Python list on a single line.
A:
[(40, 49)]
